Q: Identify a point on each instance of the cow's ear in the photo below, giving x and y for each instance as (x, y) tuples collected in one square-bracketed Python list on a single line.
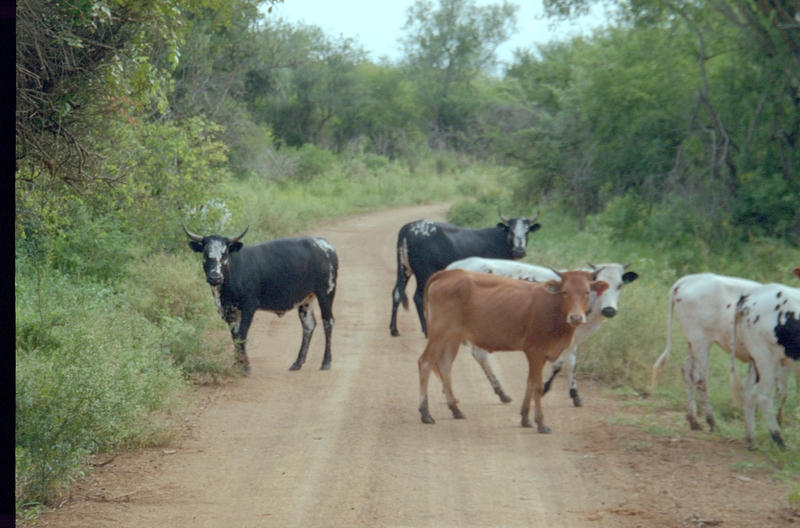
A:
[(629, 277), (196, 246), (236, 246), (502, 226), (553, 286), (534, 228), (599, 287)]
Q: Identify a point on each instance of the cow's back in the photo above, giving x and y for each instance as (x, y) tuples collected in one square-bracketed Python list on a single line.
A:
[(491, 311), (705, 305), (506, 268), (432, 246), (770, 315), (279, 274)]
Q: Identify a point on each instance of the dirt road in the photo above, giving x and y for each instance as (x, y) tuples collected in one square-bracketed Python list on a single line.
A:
[(346, 447)]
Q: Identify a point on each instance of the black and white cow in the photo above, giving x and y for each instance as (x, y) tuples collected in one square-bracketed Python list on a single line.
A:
[(425, 247), (276, 276), (767, 326), (705, 305)]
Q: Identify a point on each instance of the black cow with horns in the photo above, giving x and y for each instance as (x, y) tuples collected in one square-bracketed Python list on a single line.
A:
[(276, 276), (425, 247)]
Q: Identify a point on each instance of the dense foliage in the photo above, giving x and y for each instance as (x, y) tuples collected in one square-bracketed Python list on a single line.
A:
[(670, 136)]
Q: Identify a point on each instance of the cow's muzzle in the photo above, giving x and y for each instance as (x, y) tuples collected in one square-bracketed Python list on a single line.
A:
[(214, 280), (518, 252), (608, 312), (576, 319)]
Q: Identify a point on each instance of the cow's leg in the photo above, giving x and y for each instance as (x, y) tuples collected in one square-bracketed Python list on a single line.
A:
[(418, 301), (555, 368), (572, 362), (689, 387), (445, 366), (239, 323), (326, 308), (781, 379), (535, 389), (700, 375), (748, 385), (426, 362), (309, 323), (482, 357), (763, 390), (399, 292)]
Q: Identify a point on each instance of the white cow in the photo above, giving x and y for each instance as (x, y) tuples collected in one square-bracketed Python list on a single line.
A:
[(767, 326), (614, 274), (705, 304)]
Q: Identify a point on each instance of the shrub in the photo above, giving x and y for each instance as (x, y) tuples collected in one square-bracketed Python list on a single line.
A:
[(178, 302), (312, 161), (90, 375)]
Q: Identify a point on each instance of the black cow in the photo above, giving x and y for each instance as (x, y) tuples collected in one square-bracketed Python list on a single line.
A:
[(425, 247), (276, 276)]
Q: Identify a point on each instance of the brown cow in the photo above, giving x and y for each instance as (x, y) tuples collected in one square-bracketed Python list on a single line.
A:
[(796, 272), (498, 313)]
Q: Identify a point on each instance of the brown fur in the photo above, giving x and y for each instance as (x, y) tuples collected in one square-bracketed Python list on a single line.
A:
[(501, 314)]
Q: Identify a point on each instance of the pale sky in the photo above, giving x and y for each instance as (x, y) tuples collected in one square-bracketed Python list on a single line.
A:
[(377, 24)]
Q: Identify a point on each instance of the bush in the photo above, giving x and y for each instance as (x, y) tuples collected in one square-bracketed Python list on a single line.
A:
[(90, 375), (179, 303), (477, 213), (312, 161)]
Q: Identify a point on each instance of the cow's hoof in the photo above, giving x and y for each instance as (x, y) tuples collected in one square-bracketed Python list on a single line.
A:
[(544, 429), (395, 333), (527, 423), (505, 398), (577, 401), (427, 418), (694, 426), (325, 366), (711, 423), (776, 437), (296, 366), (457, 414)]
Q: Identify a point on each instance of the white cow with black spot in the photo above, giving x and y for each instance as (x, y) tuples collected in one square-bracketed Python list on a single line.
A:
[(766, 328)]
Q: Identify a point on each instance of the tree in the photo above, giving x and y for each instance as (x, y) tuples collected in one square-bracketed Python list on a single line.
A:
[(446, 48)]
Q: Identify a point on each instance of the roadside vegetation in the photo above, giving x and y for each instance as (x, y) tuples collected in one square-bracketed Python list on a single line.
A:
[(667, 140)]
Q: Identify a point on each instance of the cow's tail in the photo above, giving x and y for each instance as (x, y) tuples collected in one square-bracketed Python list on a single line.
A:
[(404, 271), (737, 390), (662, 359)]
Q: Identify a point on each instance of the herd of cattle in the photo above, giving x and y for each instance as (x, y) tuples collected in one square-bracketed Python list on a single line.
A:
[(471, 290)]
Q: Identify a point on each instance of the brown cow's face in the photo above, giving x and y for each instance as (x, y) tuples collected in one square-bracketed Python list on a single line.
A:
[(575, 288), (796, 272)]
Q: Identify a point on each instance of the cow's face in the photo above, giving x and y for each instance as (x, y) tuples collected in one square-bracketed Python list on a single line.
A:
[(616, 276), (576, 287), (216, 252), (517, 230)]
